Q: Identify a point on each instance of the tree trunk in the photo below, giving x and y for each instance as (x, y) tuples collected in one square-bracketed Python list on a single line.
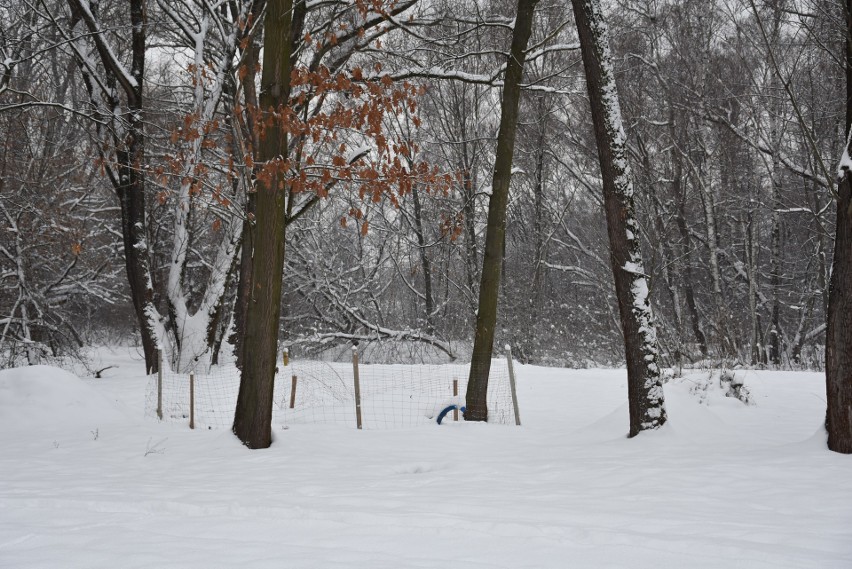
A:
[(645, 391), (489, 287), (536, 292), (253, 416), (686, 240), (838, 335), (131, 196), (751, 272), (129, 184), (775, 135), (470, 253), (709, 210), (838, 340), (424, 261), (250, 135)]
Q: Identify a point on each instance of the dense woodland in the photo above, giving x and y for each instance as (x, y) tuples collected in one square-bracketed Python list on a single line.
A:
[(135, 134)]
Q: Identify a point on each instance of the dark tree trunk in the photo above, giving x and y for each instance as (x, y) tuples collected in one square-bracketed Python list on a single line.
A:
[(131, 196), (489, 286), (838, 341), (838, 335), (776, 251), (244, 282), (424, 261), (253, 416), (249, 134), (645, 391), (129, 183)]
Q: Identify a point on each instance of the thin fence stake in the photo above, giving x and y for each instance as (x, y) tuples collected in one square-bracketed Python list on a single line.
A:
[(357, 386), (293, 392), (192, 401), (456, 397), (160, 384), (285, 357), (512, 384)]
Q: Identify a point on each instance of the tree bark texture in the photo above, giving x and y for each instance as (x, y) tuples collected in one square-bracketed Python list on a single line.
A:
[(838, 345), (645, 391), (253, 416), (838, 335), (489, 287), (250, 135)]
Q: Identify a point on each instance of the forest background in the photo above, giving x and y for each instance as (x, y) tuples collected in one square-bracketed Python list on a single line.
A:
[(734, 113)]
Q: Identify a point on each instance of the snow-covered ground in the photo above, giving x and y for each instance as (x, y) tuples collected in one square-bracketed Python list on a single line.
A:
[(86, 481)]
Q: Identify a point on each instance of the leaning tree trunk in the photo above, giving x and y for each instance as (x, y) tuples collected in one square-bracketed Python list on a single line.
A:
[(489, 287), (253, 416), (838, 335), (645, 391)]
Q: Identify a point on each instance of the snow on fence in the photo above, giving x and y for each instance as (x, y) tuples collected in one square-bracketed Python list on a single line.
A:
[(313, 392)]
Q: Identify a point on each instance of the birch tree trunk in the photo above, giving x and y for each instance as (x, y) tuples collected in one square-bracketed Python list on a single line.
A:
[(645, 391), (489, 288)]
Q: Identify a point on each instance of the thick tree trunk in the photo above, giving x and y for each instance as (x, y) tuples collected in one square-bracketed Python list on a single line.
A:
[(838, 335), (489, 287), (253, 416), (250, 135), (645, 391), (838, 344), (244, 280)]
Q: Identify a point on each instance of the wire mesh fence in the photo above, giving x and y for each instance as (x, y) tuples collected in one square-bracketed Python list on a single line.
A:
[(319, 392)]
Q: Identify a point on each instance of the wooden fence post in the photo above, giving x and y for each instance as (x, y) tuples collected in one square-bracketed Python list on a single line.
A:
[(192, 401), (456, 397), (293, 392), (160, 384), (512, 384), (357, 386), (285, 357)]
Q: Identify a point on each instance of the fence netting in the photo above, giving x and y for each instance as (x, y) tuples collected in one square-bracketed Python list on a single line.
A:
[(392, 396)]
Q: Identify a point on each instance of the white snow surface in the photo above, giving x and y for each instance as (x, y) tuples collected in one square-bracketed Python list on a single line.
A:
[(86, 481)]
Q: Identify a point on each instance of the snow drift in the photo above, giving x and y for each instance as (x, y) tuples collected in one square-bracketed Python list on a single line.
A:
[(44, 398)]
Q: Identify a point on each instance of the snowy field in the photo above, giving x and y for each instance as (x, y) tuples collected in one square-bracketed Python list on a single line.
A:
[(87, 481)]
